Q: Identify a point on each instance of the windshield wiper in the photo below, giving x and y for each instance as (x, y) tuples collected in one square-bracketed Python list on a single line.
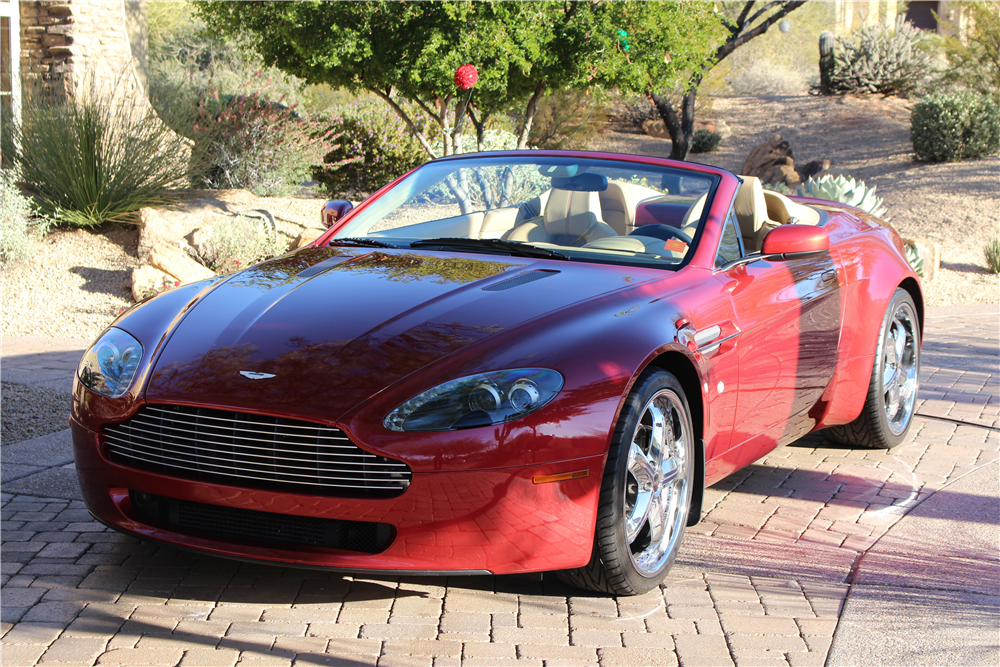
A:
[(512, 248), (367, 243)]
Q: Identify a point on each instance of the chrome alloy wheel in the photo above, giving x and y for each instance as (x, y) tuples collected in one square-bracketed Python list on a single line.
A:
[(900, 368), (657, 488)]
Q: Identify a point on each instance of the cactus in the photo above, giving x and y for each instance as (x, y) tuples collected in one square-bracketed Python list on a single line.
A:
[(880, 60), (846, 190), (826, 62)]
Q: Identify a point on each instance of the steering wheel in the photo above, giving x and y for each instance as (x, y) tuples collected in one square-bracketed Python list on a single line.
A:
[(662, 232)]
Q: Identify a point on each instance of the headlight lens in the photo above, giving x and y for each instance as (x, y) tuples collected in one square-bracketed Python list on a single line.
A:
[(477, 400), (110, 364)]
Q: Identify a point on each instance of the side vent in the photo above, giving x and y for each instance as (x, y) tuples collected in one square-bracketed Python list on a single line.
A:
[(520, 279)]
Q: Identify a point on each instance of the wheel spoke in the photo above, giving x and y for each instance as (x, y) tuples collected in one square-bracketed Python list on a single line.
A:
[(892, 400), (641, 470), (640, 466), (669, 471), (655, 518), (899, 341)]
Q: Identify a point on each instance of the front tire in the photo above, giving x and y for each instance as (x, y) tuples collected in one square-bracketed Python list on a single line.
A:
[(645, 493), (892, 393)]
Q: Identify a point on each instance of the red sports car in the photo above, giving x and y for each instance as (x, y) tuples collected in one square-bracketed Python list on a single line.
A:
[(500, 363)]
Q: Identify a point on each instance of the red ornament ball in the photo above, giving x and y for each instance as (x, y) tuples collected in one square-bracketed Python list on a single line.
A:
[(466, 76)]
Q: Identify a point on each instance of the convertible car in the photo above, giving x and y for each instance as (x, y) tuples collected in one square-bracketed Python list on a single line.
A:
[(500, 363)]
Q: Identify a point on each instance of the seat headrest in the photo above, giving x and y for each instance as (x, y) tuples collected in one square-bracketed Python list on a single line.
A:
[(750, 206), (564, 203)]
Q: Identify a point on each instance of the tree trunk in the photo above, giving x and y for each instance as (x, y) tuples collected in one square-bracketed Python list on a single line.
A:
[(529, 116), (674, 125), (687, 118)]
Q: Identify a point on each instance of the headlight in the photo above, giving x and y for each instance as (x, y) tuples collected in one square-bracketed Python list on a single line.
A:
[(477, 400), (110, 364)]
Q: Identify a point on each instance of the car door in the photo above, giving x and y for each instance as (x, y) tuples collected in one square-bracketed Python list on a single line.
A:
[(788, 311)]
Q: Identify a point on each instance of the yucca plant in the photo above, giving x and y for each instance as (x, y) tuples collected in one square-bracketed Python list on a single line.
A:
[(97, 158), (992, 252), (845, 190)]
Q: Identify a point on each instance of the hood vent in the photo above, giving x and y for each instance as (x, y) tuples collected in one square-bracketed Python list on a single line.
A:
[(520, 279), (324, 265)]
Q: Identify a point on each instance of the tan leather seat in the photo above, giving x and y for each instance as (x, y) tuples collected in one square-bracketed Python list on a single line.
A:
[(617, 207), (570, 218), (751, 212)]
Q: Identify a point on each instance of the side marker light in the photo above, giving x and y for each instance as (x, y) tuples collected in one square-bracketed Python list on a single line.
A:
[(561, 477)]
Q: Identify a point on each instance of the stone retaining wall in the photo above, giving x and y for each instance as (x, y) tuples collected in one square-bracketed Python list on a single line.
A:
[(73, 47)]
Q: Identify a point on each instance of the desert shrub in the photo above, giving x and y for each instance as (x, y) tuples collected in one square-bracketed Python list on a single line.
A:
[(880, 59), (992, 252), (953, 127), (567, 119), (780, 188), (705, 141), (973, 62), (254, 143), (17, 226), (762, 78), (241, 242), (97, 158), (374, 147), (632, 109)]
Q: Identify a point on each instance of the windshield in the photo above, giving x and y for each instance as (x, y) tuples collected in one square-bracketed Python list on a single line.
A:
[(582, 209)]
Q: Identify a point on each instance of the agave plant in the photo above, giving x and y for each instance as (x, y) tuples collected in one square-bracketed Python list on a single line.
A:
[(845, 190)]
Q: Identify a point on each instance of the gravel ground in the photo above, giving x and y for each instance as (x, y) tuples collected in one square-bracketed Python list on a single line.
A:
[(29, 412)]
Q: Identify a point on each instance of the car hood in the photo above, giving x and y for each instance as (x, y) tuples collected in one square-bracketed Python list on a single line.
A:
[(331, 327)]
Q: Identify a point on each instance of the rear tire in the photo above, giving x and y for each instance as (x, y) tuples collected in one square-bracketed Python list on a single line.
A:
[(887, 414), (645, 493)]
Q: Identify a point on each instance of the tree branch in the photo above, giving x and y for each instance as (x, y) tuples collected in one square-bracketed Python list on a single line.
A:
[(732, 45), (743, 17), (406, 120), (763, 10)]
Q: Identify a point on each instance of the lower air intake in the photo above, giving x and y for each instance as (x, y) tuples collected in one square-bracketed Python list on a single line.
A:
[(243, 526)]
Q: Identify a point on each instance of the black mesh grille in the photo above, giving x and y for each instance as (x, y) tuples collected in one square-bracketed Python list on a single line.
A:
[(255, 527), (520, 279), (255, 451)]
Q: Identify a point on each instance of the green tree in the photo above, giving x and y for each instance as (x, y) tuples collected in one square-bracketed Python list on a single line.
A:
[(406, 53), (657, 72)]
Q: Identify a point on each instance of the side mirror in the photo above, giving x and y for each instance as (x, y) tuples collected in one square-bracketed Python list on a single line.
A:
[(334, 211), (791, 240)]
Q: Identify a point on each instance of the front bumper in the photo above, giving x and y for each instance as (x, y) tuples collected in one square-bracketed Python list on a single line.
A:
[(496, 521)]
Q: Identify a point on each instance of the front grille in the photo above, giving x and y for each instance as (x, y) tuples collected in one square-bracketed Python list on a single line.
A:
[(254, 451), (255, 527)]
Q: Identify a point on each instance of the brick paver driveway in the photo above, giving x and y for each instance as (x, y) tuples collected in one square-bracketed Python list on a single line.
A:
[(761, 581)]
